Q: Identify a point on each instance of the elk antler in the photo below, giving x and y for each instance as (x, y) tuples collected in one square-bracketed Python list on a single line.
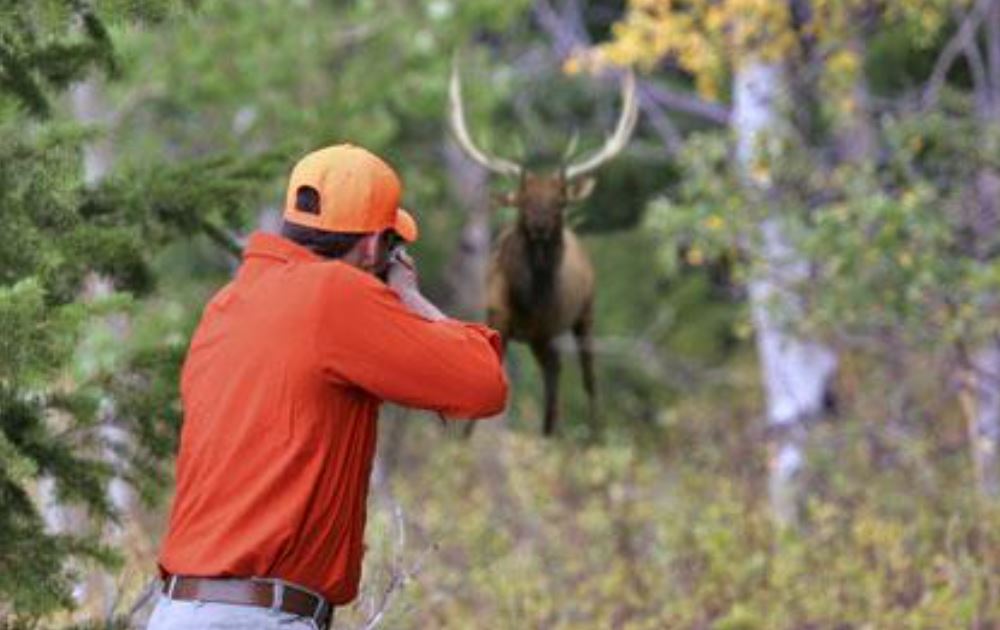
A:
[(623, 131), (456, 116)]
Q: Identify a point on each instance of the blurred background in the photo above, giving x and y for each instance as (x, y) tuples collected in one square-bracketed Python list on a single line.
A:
[(798, 292)]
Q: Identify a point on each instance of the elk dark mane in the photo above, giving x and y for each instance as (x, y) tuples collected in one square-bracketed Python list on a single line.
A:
[(532, 269)]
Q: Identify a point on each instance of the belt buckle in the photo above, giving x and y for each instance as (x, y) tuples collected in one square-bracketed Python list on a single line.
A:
[(277, 592), (277, 595), (320, 616), (169, 585)]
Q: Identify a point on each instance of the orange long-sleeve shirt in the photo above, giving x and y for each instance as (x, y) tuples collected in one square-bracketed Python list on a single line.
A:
[(281, 390)]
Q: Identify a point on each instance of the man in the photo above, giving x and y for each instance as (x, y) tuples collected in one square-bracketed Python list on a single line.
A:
[(281, 389)]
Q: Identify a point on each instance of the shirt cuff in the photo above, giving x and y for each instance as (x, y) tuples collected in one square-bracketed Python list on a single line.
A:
[(492, 336)]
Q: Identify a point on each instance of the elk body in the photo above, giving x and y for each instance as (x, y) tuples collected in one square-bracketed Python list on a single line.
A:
[(540, 281)]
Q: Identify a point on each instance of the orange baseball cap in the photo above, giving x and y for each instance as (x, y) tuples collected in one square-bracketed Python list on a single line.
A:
[(358, 193)]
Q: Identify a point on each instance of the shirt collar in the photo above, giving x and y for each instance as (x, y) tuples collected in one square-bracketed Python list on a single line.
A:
[(265, 245)]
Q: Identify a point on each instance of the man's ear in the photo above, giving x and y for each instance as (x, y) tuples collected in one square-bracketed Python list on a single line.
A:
[(579, 189), (368, 246), (505, 199)]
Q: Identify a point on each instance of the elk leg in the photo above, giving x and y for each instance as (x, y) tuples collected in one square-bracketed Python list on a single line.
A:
[(583, 332), (548, 359)]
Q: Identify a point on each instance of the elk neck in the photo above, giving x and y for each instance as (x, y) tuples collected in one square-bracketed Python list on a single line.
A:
[(543, 250)]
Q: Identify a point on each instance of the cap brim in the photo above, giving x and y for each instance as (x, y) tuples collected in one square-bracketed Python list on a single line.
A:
[(406, 226)]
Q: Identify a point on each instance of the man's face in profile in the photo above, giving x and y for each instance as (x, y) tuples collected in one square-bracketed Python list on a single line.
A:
[(388, 241)]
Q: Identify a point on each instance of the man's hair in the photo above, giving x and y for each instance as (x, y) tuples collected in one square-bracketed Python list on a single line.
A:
[(321, 242)]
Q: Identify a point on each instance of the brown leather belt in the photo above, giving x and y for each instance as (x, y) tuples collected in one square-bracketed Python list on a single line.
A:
[(262, 592)]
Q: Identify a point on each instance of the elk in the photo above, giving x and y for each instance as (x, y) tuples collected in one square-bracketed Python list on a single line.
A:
[(540, 282)]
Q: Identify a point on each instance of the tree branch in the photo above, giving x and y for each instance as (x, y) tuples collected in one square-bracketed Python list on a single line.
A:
[(145, 596), (993, 57), (400, 573), (687, 104), (568, 35), (668, 133), (963, 38), (980, 81), (221, 238), (565, 39)]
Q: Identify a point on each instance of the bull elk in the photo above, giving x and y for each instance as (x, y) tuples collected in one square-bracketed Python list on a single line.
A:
[(540, 281)]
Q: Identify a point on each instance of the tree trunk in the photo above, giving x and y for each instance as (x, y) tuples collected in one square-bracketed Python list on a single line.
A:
[(89, 108), (981, 402), (980, 393), (981, 385), (856, 136), (467, 269), (797, 372)]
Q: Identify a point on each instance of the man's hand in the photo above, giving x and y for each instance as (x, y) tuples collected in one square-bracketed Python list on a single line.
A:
[(402, 278), (402, 275)]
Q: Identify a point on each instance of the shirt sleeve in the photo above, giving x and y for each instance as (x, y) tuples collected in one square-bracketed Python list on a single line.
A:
[(371, 340)]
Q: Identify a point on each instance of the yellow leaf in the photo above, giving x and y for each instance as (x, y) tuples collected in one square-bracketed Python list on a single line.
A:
[(714, 222), (844, 62), (761, 173), (571, 66)]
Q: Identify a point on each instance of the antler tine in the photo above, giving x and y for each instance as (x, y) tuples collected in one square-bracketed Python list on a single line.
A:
[(621, 135), (456, 116), (571, 146)]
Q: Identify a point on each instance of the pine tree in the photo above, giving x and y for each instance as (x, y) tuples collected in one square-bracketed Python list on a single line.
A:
[(58, 233)]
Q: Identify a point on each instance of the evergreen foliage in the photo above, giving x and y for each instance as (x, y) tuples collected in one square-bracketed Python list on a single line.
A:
[(662, 523), (59, 236)]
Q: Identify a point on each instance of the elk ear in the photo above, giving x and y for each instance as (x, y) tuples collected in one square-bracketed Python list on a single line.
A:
[(506, 199), (579, 189)]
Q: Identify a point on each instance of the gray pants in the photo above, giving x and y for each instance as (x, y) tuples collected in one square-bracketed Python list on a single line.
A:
[(173, 614)]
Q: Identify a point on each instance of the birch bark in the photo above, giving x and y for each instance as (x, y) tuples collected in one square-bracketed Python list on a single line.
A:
[(796, 372)]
